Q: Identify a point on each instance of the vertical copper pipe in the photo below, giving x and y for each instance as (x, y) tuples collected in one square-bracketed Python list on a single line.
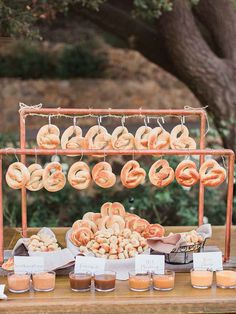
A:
[(1, 215), (229, 208), (23, 190), (201, 186)]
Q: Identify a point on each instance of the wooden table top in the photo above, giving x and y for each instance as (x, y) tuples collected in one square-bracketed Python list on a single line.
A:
[(183, 299)]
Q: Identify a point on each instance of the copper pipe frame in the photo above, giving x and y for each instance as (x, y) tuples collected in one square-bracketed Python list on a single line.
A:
[(131, 112), (200, 152)]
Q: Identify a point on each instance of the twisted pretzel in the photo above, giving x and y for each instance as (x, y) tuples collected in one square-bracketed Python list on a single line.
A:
[(164, 176), (122, 139), (17, 175), (81, 236), (48, 136), (154, 230), (53, 178), (79, 175), (211, 173), (97, 137), (114, 222), (139, 225), (102, 175), (94, 217), (68, 141), (141, 137), (36, 178), (186, 173), (116, 209), (159, 139), (183, 140), (132, 174)]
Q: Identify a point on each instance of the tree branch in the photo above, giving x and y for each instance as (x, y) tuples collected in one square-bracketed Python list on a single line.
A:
[(219, 17), (143, 37)]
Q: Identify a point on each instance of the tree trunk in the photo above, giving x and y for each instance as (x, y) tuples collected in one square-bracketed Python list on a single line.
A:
[(197, 45)]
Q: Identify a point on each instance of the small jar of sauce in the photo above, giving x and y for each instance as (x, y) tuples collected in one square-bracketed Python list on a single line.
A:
[(105, 282), (80, 281), (226, 279), (164, 282), (44, 281), (139, 282), (201, 279), (18, 283)]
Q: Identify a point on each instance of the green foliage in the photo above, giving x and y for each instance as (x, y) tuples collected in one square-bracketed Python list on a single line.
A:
[(27, 60), (151, 9), (77, 61)]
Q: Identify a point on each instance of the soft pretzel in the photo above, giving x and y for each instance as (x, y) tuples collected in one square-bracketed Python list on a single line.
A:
[(36, 178), (81, 236), (132, 174), (122, 139), (72, 139), (17, 175), (116, 209), (159, 139), (183, 140), (139, 225), (102, 175), (79, 175), (211, 173), (97, 137), (164, 176), (48, 136), (53, 178), (141, 137), (92, 216), (186, 173), (105, 209), (153, 230), (114, 222)]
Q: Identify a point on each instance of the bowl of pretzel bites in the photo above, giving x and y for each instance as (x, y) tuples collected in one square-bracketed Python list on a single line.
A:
[(112, 233)]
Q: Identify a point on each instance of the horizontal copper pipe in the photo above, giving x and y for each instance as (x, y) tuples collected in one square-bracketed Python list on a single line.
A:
[(110, 152), (76, 111)]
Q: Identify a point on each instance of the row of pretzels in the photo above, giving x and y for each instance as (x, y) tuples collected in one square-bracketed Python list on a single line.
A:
[(97, 137), (132, 174)]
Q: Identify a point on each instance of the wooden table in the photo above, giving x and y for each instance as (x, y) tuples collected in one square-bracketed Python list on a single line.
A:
[(183, 299)]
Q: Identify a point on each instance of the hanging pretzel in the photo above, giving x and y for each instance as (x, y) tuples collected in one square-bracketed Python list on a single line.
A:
[(132, 174), (48, 136), (141, 137), (68, 141), (79, 175), (179, 138), (211, 173), (162, 177), (186, 173), (159, 139), (102, 175), (97, 137), (53, 178), (153, 230), (36, 178), (17, 175), (122, 139)]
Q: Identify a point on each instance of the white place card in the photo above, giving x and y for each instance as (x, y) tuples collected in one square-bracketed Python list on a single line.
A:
[(89, 264), (207, 260), (28, 264), (2, 294), (150, 263)]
